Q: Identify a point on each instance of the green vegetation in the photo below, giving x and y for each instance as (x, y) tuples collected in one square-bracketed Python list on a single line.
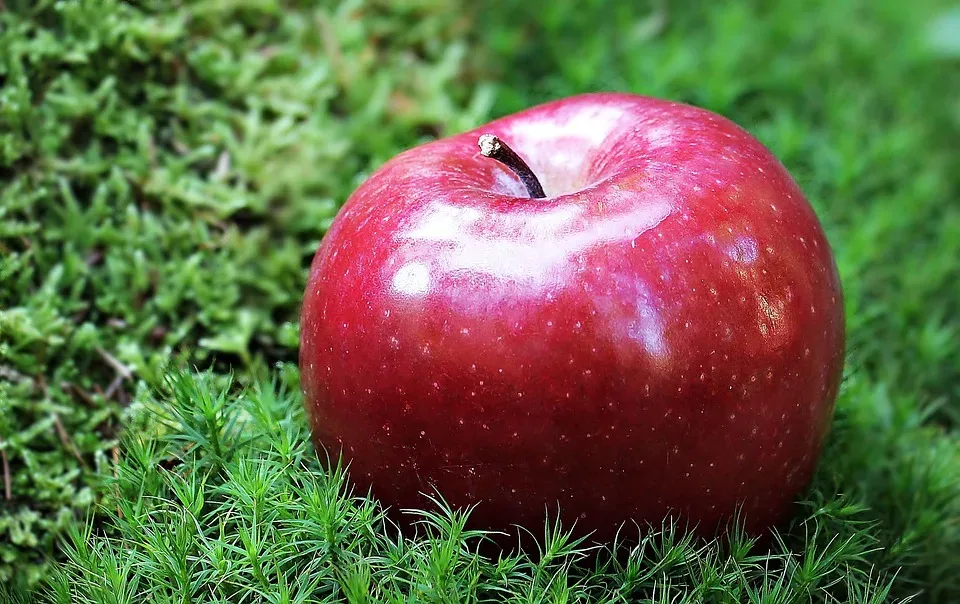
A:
[(168, 168)]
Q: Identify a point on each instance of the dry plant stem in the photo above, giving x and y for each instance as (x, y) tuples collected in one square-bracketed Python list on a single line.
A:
[(123, 374), (494, 148), (117, 366), (7, 481), (66, 441), (113, 387)]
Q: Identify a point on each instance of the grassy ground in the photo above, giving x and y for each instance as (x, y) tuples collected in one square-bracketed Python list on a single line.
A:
[(168, 170)]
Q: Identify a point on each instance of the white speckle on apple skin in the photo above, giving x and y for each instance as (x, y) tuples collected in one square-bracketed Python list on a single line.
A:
[(412, 279), (658, 135), (744, 250)]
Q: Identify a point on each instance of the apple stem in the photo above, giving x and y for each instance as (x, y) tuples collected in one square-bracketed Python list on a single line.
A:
[(494, 148)]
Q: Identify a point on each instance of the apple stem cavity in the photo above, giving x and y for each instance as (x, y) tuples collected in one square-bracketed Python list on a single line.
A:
[(494, 148)]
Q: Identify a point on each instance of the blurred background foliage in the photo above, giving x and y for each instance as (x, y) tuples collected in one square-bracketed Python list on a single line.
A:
[(168, 168)]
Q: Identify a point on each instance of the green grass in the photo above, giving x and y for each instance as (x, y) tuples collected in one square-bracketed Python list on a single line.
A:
[(167, 170)]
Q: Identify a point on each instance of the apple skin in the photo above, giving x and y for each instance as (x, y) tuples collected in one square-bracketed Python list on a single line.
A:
[(663, 334)]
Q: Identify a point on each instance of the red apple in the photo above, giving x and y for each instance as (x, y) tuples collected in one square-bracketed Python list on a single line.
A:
[(662, 333)]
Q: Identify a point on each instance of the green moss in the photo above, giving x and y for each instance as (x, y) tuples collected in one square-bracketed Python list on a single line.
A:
[(229, 503), (167, 174)]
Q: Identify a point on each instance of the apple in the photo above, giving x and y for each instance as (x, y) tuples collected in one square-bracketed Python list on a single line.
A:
[(618, 305)]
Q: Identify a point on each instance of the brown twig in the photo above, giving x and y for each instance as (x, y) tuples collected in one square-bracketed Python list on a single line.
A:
[(66, 441), (113, 388), (123, 397), (7, 481), (115, 456), (80, 392), (115, 363), (495, 148), (123, 374), (11, 374)]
